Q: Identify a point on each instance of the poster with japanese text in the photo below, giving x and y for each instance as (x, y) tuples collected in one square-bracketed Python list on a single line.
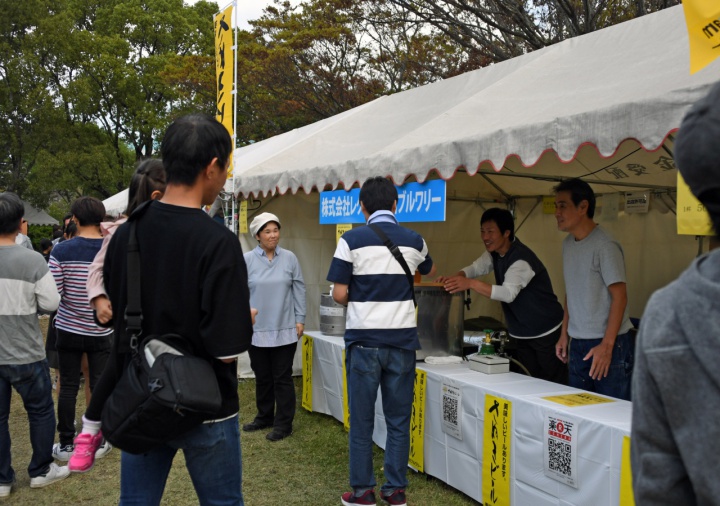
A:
[(225, 73), (417, 423), (307, 357), (497, 434), (560, 435)]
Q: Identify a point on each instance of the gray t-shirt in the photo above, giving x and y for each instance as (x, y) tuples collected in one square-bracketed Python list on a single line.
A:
[(589, 267)]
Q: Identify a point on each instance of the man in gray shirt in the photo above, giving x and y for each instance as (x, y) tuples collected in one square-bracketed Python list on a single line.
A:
[(26, 285), (596, 324)]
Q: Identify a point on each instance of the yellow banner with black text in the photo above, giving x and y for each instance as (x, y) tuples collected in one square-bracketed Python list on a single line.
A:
[(224, 73), (497, 434)]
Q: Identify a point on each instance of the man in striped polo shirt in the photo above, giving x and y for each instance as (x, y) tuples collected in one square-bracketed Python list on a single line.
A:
[(26, 286), (380, 338)]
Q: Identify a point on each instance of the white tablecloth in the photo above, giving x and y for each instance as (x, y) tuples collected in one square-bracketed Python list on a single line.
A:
[(600, 431)]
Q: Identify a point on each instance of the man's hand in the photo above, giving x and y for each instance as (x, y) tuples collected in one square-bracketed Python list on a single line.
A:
[(601, 357), (253, 314), (561, 348), (103, 309), (455, 284), (300, 328)]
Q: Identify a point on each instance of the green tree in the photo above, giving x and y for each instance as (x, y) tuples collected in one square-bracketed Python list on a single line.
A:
[(88, 86)]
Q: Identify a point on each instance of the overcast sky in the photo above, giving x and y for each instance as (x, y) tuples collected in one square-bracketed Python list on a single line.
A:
[(246, 9)]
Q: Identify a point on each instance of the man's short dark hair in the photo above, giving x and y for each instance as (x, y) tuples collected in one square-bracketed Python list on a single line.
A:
[(502, 218), (378, 194), (88, 211), (579, 191), (11, 212), (189, 145)]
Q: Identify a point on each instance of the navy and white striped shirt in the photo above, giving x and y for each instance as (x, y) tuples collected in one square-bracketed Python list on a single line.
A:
[(380, 310), (69, 262)]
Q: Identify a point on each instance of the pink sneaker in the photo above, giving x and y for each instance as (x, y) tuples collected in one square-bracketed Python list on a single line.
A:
[(83, 457)]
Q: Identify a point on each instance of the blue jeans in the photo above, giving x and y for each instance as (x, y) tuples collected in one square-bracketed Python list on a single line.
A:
[(617, 382), (32, 382), (393, 370), (212, 457)]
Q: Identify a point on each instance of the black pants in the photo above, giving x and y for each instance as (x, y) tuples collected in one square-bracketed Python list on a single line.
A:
[(538, 356), (70, 350), (274, 387)]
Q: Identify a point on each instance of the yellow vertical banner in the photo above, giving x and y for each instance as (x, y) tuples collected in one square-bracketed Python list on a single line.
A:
[(225, 72), (340, 229), (346, 408), (627, 498), (497, 433), (417, 423), (307, 358), (703, 25), (692, 218), (242, 217)]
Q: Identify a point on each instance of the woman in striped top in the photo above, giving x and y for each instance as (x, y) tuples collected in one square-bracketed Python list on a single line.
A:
[(77, 332)]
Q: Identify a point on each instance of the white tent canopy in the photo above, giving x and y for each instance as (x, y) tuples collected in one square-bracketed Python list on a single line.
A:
[(116, 205), (614, 94)]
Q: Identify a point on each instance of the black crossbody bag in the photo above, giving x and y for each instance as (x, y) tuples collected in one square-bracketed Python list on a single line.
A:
[(164, 391), (398, 256)]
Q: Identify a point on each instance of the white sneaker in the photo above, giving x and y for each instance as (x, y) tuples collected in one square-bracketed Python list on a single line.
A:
[(103, 449), (53, 474), (6, 488), (63, 453)]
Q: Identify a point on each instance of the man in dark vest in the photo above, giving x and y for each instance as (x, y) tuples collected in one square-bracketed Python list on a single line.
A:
[(532, 312)]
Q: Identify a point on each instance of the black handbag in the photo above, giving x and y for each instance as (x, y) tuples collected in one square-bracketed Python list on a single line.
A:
[(164, 391)]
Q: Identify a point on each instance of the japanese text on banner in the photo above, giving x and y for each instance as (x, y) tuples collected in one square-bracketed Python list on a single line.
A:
[(417, 202), (703, 25), (417, 423), (497, 433), (307, 358), (692, 217), (225, 72)]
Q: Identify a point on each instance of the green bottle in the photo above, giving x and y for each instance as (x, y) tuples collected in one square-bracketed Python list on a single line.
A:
[(487, 347)]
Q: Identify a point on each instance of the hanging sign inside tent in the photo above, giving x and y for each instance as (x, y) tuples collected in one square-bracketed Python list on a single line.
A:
[(703, 25), (417, 202), (637, 202), (224, 73), (692, 217)]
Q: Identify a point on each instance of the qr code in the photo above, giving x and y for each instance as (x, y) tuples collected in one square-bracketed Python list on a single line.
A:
[(560, 456), (450, 409)]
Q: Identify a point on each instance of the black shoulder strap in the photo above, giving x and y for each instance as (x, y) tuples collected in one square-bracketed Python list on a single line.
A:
[(398, 256), (133, 309)]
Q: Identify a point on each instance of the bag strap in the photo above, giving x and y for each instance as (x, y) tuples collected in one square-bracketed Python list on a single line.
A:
[(398, 256), (133, 308)]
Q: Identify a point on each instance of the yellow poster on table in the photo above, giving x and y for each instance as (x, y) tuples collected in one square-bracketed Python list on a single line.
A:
[(307, 357), (703, 25), (225, 73), (417, 423), (627, 498), (497, 434), (574, 400), (346, 411), (692, 217)]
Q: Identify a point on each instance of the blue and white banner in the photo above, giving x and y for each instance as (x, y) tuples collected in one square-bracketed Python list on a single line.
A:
[(418, 202)]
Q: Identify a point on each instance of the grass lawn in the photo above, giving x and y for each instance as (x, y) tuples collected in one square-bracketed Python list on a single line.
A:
[(310, 467)]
